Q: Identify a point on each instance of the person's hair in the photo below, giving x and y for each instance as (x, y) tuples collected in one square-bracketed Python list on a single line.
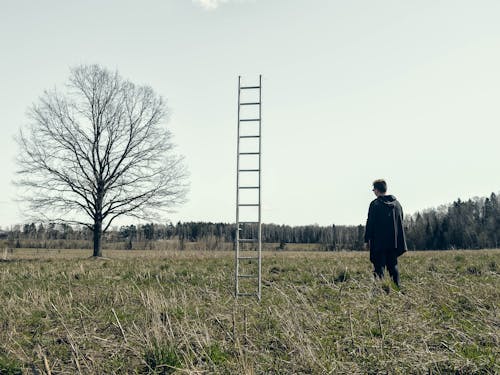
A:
[(380, 185)]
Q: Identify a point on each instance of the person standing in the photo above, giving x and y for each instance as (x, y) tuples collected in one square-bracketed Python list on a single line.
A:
[(384, 232)]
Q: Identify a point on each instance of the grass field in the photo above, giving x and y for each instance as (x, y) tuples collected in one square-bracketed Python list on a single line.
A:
[(322, 313)]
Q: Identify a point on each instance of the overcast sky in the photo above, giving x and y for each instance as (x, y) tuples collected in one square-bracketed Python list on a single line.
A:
[(352, 91)]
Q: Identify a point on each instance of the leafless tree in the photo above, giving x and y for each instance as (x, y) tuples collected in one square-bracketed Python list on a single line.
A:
[(99, 151)]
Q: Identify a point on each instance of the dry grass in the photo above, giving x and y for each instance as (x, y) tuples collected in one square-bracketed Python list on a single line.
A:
[(322, 313)]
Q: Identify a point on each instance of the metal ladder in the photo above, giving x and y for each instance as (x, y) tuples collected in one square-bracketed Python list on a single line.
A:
[(248, 262)]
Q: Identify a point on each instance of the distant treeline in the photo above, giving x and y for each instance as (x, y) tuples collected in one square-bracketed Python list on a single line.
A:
[(63, 235), (470, 224)]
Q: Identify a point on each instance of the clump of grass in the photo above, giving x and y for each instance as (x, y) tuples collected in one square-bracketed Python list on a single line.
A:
[(162, 359), (275, 270), (376, 332), (216, 354), (474, 270), (9, 366), (432, 267), (342, 276), (464, 304), (492, 266)]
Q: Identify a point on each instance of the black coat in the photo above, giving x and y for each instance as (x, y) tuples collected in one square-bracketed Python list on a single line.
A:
[(384, 227)]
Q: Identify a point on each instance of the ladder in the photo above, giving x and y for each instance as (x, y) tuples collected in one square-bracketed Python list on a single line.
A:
[(248, 254)]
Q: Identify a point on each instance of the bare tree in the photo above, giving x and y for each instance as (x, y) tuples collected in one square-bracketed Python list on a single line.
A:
[(99, 151)]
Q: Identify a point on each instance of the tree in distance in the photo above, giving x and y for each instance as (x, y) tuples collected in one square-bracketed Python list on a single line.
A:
[(98, 151)]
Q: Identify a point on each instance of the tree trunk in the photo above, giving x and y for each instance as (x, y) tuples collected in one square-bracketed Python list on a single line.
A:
[(97, 238)]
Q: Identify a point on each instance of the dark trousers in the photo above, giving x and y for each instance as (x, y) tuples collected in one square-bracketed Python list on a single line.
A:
[(383, 259)]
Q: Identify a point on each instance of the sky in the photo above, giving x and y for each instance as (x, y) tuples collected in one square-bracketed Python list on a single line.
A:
[(352, 91)]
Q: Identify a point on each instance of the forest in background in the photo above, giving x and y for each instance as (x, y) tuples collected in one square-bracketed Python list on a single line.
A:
[(471, 224)]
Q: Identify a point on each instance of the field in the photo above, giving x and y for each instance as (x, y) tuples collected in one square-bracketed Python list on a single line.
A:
[(62, 312)]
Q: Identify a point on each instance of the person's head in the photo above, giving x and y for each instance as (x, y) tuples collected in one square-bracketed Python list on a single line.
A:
[(379, 187)]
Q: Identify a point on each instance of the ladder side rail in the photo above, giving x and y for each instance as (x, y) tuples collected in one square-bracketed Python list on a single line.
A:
[(260, 191), (237, 250)]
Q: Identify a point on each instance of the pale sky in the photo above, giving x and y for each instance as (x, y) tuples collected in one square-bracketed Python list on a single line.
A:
[(352, 91)]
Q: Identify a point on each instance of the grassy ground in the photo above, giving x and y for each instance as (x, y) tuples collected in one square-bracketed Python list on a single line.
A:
[(321, 313)]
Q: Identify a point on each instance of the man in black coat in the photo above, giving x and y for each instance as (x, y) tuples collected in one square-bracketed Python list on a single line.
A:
[(384, 233)]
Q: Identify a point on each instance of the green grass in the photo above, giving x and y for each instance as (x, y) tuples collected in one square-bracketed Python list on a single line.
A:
[(321, 313)]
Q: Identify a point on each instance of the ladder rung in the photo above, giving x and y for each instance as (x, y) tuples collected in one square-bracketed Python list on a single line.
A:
[(247, 258), (249, 187), (248, 170), (249, 136), (249, 153), (250, 119), (249, 204), (250, 103), (249, 87), (247, 294), (249, 276), (248, 240)]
